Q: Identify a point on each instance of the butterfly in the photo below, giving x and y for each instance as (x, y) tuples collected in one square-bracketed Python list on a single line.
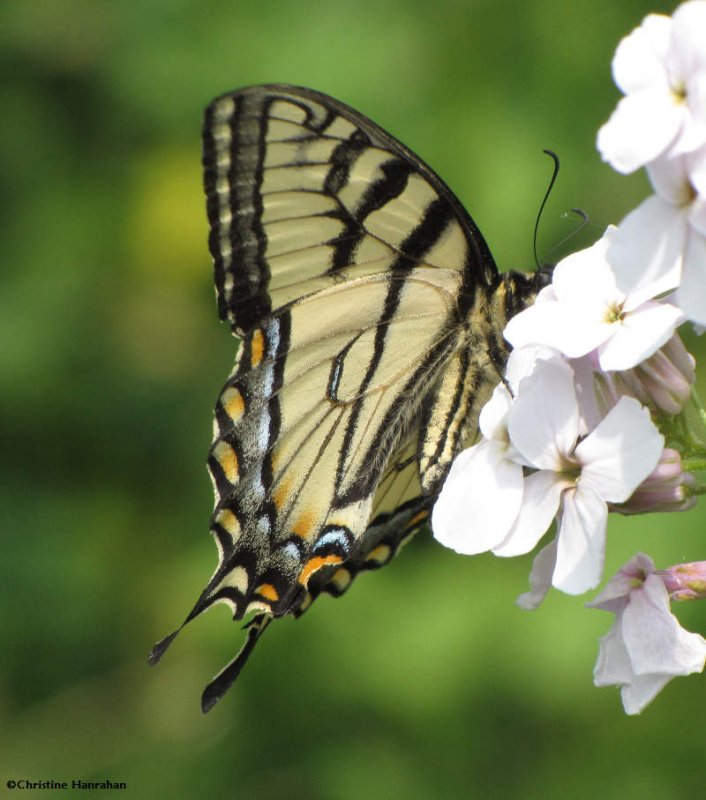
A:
[(370, 313)]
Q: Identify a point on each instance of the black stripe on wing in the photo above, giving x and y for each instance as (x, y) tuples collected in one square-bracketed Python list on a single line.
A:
[(421, 239), (378, 194)]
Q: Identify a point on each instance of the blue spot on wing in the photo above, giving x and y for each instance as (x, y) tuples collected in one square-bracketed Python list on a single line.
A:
[(333, 541)]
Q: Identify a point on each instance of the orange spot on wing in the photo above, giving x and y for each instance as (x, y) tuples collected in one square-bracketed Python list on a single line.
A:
[(268, 591), (257, 347), (314, 564), (232, 401), (226, 457)]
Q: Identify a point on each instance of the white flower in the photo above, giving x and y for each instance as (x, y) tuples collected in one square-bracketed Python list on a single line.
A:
[(533, 463), (662, 243), (574, 478), (584, 310), (646, 647), (467, 517), (661, 69)]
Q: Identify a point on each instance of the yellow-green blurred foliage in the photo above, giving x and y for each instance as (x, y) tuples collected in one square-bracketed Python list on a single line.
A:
[(425, 681)]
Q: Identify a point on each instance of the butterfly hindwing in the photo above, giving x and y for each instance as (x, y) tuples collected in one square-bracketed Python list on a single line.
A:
[(301, 458)]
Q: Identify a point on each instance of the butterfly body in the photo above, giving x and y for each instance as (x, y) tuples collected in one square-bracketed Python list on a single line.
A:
[(371, 316)]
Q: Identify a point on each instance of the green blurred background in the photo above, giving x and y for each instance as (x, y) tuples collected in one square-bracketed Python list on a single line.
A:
[(425, 681)]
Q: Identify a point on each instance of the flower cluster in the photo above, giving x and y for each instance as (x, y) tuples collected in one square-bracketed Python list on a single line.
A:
[(660, 124), (590, 417)]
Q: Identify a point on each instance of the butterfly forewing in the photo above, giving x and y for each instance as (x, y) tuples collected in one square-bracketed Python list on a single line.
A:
[(303, 193)]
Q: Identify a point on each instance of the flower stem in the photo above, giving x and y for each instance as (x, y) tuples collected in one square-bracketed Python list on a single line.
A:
[(686, 432), (694, 463), (698, 405)]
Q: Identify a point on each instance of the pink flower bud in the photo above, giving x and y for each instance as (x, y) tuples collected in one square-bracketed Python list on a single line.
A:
[(664, 380), (665, 489), (685, 581)]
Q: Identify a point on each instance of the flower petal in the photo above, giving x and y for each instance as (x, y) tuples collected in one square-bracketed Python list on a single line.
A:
[(641, 128), (479, 500), (697, 168), (614, 595), (555, 325), (647, 248), (581, 541), (641, 691), (639, 58), (613, 665), (585, 278), (588, 392), (639, 335), (544, 419), (686, 68), (621, 452), (691, 295), (523, 360), (540, 503), (697, 218), (655, 640), (669, 176), (540, 577), (492, 419), (686, 54)]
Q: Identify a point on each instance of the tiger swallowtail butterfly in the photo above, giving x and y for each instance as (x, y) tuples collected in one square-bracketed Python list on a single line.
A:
[(370, 313)]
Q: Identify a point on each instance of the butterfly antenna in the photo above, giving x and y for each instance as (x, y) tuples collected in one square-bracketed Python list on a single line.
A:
[(552, 181), (585, 220)]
